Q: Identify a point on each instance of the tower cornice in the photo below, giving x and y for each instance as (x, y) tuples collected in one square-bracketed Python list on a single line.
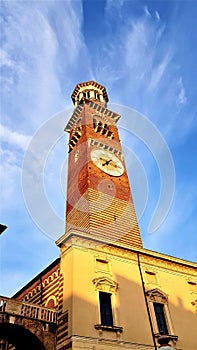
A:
[(97, 107), (87, 84)]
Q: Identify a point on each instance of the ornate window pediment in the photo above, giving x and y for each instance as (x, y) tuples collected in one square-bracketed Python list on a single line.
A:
[(105, 284), (157, 296)]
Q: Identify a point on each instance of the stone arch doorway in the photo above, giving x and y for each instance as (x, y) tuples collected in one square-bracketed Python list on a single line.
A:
[(20, 337)]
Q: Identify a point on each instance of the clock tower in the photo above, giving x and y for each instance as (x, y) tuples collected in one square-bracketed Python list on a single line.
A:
[(99, 200), (101, 230)]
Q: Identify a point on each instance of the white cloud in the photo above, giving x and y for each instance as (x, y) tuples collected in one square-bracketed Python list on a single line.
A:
[(14, 138), (10, 171), (36, 55), (136, 44), (181, 98), (13, 146), (147, 11), (146, 59), (157, 15), (5, 59), (116, 5), (7, 83), (158, 71)]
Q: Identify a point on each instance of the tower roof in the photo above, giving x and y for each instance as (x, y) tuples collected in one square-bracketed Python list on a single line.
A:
[(86, 84)]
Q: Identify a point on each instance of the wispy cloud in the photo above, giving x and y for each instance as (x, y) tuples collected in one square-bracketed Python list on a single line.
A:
[(5, 59), (138, 54), (158, 72), (14, 138), (143, 58), (41, 44), (147, 11), (10, 176), (181, 97), (13, 144), (114, 5), (157, 15), (31, 55)]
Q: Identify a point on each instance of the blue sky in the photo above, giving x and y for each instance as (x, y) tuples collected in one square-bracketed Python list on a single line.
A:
[(145, 54)]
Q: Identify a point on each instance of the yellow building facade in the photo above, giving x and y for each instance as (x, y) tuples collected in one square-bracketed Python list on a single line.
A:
[(95, 268)]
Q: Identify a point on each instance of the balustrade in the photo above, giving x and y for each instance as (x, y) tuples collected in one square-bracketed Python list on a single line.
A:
[(20, 308)]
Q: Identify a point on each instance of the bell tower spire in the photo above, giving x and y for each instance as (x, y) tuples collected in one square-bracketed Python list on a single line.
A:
[(89, 90)]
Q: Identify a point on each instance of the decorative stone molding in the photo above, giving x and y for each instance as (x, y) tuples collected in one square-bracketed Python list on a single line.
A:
[(101, 145), (116, 329), (157, 296), (51, 297), (105, 284)]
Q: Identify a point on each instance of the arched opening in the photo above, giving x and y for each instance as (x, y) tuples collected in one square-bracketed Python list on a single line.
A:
[(20, 337), (51, 302)]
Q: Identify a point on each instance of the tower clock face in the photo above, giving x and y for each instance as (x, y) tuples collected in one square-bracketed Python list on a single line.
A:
[(107, 162)]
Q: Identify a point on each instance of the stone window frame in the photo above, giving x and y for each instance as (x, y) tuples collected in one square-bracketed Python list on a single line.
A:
[(157, 296), (106, 285)]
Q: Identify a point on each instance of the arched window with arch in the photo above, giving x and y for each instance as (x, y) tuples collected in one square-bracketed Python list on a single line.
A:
[(51, 302)]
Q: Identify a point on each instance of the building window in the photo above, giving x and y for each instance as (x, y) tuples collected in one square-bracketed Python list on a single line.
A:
[(160, 312), (105, 309), (160, 317), (106, 289)]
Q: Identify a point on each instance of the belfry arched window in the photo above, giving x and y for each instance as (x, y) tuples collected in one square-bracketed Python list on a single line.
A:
[(51, 302), (102, 128)]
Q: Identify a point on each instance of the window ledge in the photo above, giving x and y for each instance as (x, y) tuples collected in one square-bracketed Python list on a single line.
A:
[(109, 328), (173, 337)]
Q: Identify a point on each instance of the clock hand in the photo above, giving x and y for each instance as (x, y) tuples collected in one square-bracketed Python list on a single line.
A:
[(107, 162)]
